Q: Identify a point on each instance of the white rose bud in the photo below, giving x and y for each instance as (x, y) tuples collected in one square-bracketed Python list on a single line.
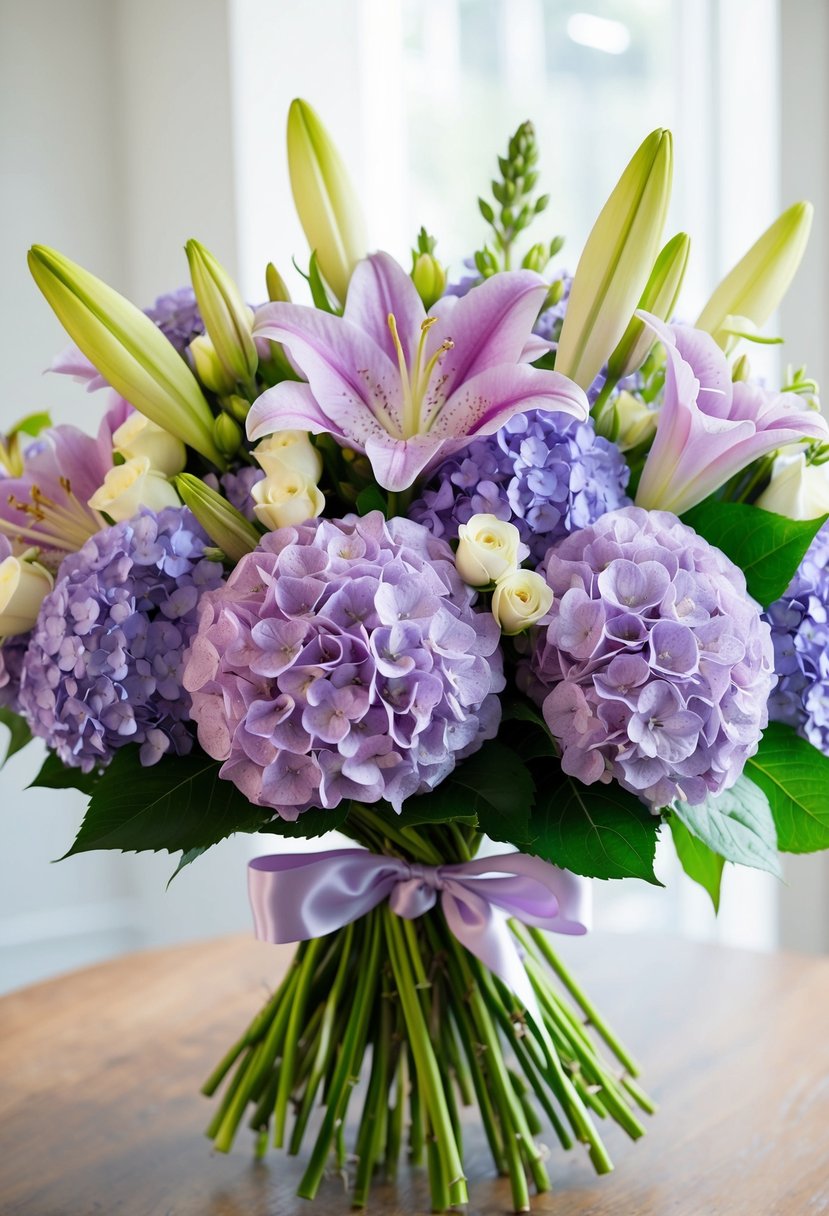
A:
[(23, 586), (489, 548), (130, 486), (286, 497), (289, 450), (521, 599), (797, 489), (140, 437)]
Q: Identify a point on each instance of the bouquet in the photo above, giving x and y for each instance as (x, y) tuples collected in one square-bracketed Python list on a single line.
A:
[(522, 559)]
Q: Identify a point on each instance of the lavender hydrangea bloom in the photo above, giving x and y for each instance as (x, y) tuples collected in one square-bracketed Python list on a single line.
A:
[(546, 472), (654, 666), (177, 316), (237, 487), (104, 664), (800, 632), (12, 651), (343, 659)]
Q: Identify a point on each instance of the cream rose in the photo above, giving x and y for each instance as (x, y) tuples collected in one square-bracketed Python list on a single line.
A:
[(286, 497), (797, 489), (489, 548), (23, 586), (289, 450), (140, 437), (521, 599), (130, 486)]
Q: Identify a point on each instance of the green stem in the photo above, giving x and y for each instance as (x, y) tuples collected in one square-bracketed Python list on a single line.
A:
[(292, 1035), (372, 1124)]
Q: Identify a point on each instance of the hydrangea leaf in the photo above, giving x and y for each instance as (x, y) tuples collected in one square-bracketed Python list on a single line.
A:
[(737, 823), (768, 548), (599, 831), (19, 733), (310, 824), (700, 863), (55, 775), (181, 803), (794, 776)]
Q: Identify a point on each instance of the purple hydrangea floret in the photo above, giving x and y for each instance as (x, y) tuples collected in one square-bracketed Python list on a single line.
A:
[(343, 659), (237, 486), (800, 632), (104, 664), (177, 316), (12, 651), (546, 472), (654, 666)]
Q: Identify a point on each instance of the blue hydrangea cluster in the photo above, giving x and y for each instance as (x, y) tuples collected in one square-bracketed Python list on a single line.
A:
[(343, 659), (546, 472), (104, 663), (177, 316), (236, 487), (800, 632), (654, 666), (11, 667)]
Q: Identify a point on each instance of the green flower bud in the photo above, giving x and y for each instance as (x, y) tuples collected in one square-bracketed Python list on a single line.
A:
[(225, 526), (128, 350), (659, 297), (616, 262), (429, 277), (209, 367), (741, 369), (278, 292), (227, 318), (754, 287), (228, 435), (324, 197)]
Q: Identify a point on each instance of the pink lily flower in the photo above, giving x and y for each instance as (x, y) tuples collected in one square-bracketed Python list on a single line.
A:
[(709, 428), (406, 387)]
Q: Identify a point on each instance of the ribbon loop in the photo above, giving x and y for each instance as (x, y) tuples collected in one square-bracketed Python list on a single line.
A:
[(298, 896)]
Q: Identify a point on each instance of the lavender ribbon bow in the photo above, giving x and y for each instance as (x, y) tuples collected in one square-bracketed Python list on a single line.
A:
[(303, 895)]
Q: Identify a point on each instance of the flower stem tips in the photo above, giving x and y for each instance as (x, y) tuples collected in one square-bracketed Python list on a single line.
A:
[(326, 202), (225, 526), (617, 261), (128, 350)]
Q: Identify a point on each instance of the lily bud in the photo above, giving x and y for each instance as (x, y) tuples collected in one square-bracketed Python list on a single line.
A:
[(488, 549), (286, 497), (520, 599), (128, 350), (225, 526), (628, 422), (755, 286), (227, 318), (289, 450), (277, 288), (741, 369), (429, 277), (130, 486), (228, 435), (326, 203), (616, 262), (209, 367), (140, 437), (797, 489), (23, 587), (659, 298)]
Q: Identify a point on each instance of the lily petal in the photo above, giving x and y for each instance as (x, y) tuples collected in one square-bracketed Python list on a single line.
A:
[(380, 286), (286, 407), (485, 402)]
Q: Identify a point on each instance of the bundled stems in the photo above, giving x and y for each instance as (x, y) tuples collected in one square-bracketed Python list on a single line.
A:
[(399, 1016)]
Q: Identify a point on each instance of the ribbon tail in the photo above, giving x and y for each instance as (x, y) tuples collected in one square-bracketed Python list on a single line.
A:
[(487, 935)]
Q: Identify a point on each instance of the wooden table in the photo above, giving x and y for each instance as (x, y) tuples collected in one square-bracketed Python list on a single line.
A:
[(100, 1110)]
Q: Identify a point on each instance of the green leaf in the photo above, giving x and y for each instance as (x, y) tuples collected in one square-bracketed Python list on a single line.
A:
[(600, 831), (794, 776), (736, 823), (185, 860), (699, 862), (768, 548), (494, 787), (19, 733), (318, 291), (32, 424), (54, 775), (372, 498), (526, 732), (180, 803), (311, 823)]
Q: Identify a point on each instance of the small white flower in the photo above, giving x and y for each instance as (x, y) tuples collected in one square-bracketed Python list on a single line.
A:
[(286, 497), (521, 599), (140, 437), (289, 450), (797, 489), (130, 486), (489, 548), (23, 586)]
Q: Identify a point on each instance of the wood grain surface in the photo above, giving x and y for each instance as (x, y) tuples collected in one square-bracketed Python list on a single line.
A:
[(100, 1070)]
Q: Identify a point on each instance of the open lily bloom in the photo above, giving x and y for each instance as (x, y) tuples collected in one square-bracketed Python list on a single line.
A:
[(710, 428), (408, 388)]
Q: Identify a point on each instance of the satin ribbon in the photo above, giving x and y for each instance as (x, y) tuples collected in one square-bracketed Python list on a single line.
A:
[(297, 896)]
